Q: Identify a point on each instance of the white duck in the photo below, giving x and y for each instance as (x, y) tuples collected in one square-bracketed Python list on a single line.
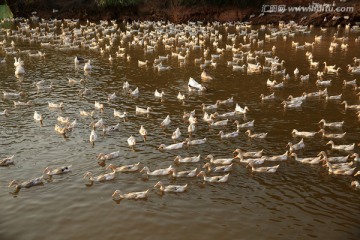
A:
[(355, 184), (118, 195), (255, 135), (355, 157), (158, 172), (218, 169), (272, 169), (131, 141), (112, 155), (38, 117), (248, 124), (124, 168), (135, 92), (101, 177), (166, 121), (87, 66), (338, 159), (57, 171), (195, 141), (243, 154), (228, 135), (296, 133), (171, 188), (187, 173), (93, 137), (281, 157), (193, 159), (172, 146), (142, 110), (176, 134), (5, 112), (332, 135), (349, 147), (121, 115), (219, 161), (219, 123), (7, 161), (356, 107), (333, 125), (241, 110), (158, 94), (214, 179), (308, 160), (296, 146), (180, 96), (26, 184), (99, 106), (143, 132)]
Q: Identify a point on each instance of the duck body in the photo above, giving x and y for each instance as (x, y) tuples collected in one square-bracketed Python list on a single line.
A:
[(214, 179), (187, 173), (171, 188), (272, 169), (229, 135), (333, 125), (166, 121), (142, 110), (7, 161), (249, 154), (296, 146), (27, 184), (193, 159), (308, 160), (57, 171), (103, 156), (158, 172), (349, 147), (219, 161), (172, 146), (125, 168), (118, 195), (219, 123), (255, 135), (338, 159), (100, 178), (282, 157), (195, 141), (303, 134), (248, 124), (218, 169), (176, 134)]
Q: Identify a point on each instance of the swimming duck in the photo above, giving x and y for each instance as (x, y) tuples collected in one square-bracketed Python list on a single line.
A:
[(142, 110), (214, 179), (241, 154), (292, 104), (171, 188), (256, 135), (26, 184), (166, 121), (180, 96), (38, 117), (57, 171), (191, 128), (219, 161), (334, 125), (13, 94), (339, 159), (355, 184), (5, 112), (195, 141), (19, 103), (118, 195), (131, 141), (268, 97), (100, 178), (332, 135), (111, 97), (355, 157), (333, 98), (296, 133), (158, 94), (192, 84), (93, 137), (308, 160), (61, 130), (248, 124), (172, 146), (350, 106), (209, 107), (205, 76), (218, 169), (219, 123), (270, 83), (125, 168), (158, 172), (63, 120), (111, 128), (188, 173), (176, 134), (112, 155), (121, 115), (349, 147), (282, 157), (143, 132), (194, 159), (272, 169), (56, 105), (341, 171), (351, 83), (99, 106), (228, 135), (296, 146), (98, 124), (87, 66), (241, 110), (226, 101), (225, 115), (7, 161), (126, 85), (78, 60)]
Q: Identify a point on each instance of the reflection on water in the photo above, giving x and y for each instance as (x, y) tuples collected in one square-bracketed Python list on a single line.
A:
[(298, 199)]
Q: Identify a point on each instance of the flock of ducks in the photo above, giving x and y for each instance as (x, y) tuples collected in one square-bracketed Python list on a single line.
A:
[(180, 41)]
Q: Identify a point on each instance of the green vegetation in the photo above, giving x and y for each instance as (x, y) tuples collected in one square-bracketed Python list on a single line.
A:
[(121, 3), (5, 12)]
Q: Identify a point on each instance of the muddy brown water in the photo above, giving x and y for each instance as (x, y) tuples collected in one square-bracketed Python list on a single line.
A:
[(299, 200)]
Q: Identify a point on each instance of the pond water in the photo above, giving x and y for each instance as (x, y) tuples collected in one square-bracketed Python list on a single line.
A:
[(299, 199)]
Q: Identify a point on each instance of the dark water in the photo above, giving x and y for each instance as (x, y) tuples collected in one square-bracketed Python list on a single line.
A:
[(299, 200)]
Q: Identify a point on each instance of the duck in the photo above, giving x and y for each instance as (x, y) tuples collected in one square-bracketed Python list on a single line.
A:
[(98, 124), (255, 135), (135, 92), (87, 66), (171, 188), (205, 76), (282, 157), (176, 134), (93, 137), (214, 179), (349, 147), (78, 60), (333, 125), (332, 135), (296, 71), (56, 105), (268, 97), (19, 103), (118, 195), (124, 168), (143, 132), (7, 161), (226, 101), (270, 83), (131, 141), (339, 159), (26, 184), (38, 117), (180, 96), (272, 169), (112, 97), (188, 173), (193, 159), (63, 120), (229, 135), (355, 157), (101, 177), (296, 133), (350, 106), (119, 114), (219, 123), (218, 169), (355, 184), (166, 121), (172, 146), (193, 84), (210, 107), (296, 146), (158, 172), (112, 155), (195, 141), (340, 171), (241, 110), (5, 112), (191, 128), (248, 124), (99, 106), (57, 171), (219, 161), (62, 130), (242, 154), (142, 63), (323, 82), (126, 85), (349, 83), (111, 128), (308, 160), (158, 94), (224, 115), (292, 104), (142, 110)]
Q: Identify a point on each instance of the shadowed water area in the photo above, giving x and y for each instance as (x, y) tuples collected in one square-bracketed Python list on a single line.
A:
[(300, 200)]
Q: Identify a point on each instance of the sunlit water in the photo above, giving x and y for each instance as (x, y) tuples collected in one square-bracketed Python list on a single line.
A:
[(299, 200)]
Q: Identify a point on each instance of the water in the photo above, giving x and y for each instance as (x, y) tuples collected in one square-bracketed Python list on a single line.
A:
[(299, 199)]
